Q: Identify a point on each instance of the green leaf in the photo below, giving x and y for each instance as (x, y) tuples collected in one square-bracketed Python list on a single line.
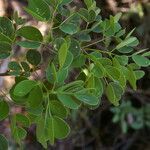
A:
[(29, 44), (139, 74), (19, 134), (96, 84), (68, 60), (134, 43), (131, 77), (105, 61), (3, 143), (23, 120), (99, 86), (17, 99), (58, 109), (99, 26), (51, 74), (96, 54), (25, 66), (71, 85), (117, 17), (39, 10), (79, 61), (84, 14), (111, 27), (69, 28), (134, 66), (92, 16), (30, 33), (141, 60), (62, 74), (114, 92), (49, 130), (58, 43), (83, 36), (6, 30), (125, 49), (74, 48), (35, 97), (62, 54), (24, 87), (116, 63), (61, 128), (5, 50), (112, 72), (4, 108), (123, 60), (35, 111), (14, 66), (88, 3), (146, 54), (63, 11), (40, 132), (88, 16), (122, 79), (126, 42), (98, 70), (33, 57), (22, 133), (68, 101), (120, 33), (74, 89), (87, 98)]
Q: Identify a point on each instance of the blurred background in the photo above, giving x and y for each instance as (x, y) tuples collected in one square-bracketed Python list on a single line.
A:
[(126, 127)]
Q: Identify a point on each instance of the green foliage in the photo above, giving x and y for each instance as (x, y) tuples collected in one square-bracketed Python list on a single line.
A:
[(3, 143), (130, 117), (23, 120), (33, 57), (48, 100), (4, 110), (39, 10), (69, 28), (141, 60), (6, 30), (35, 34), (62, 54), (35, 99), (114, 93), (5, 50), (29, 44), (24, 87)]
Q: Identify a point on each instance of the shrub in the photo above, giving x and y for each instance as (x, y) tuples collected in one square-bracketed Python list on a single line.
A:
[(129, 116), (102, 65)]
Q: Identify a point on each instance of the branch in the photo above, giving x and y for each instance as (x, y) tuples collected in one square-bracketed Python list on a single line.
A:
[(4, 74)]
